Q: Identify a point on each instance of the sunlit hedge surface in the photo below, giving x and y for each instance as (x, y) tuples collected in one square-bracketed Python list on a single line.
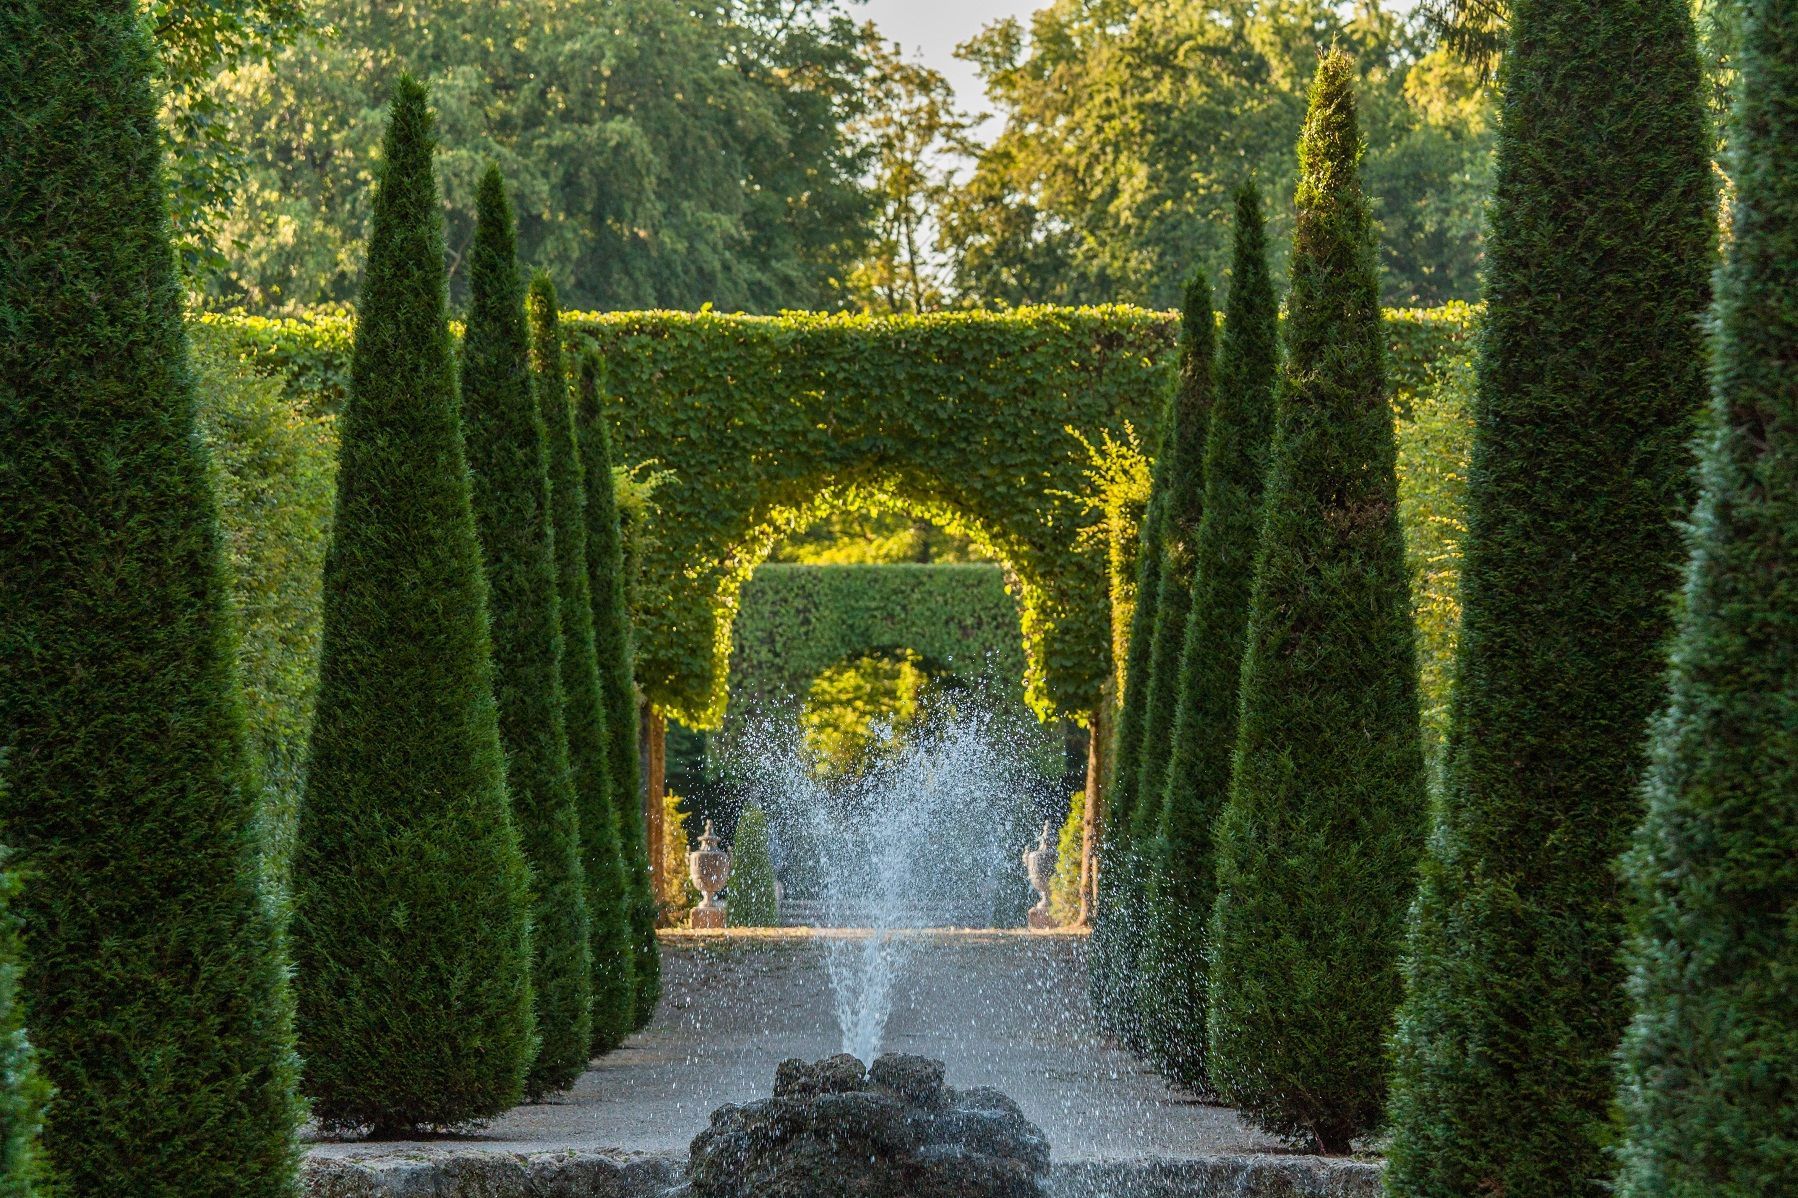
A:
[(763, 422)]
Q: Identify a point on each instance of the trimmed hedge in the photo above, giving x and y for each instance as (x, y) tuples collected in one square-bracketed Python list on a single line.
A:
[(412, 947), (153, 986), (796, 621), (625, 841), (1589, 378), (1710, 1064), (752, 900), (1318, 843), (1183, 885), (508, 466)]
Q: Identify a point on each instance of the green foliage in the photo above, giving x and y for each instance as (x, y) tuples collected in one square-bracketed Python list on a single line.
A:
[(1183, 493), (508, 466), (752, 899), (153, 990), (588, 717), (609, 584), (412, 945), (1318, 843), (919, 413), (1129, 123), (1070, 844), (1710, 1063), (1590, 374), (664, 153), (275, 477), (1183, 885)]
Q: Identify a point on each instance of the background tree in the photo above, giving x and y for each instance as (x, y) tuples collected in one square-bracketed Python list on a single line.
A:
[(1317, 846), (1590, 373), (508, 465), (662, 154), (1183, 884), (153, 989), (609, 579), (1710, 1063), (1127, 124), (411, 935)]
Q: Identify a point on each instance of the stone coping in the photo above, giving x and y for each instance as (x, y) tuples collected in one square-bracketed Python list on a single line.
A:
[(460, 1172)]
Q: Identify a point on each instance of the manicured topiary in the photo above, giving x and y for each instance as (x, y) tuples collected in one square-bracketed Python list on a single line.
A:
[(1318, 844), (1183, 485), (1183, 882), (508, 466), (412, 946), (153, 985), (614, 984), (1589, 378), (609, 583), (752, 900), (1710, 1064)]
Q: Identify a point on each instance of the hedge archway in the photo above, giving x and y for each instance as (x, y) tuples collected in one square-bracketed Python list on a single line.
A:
[(767, 422)]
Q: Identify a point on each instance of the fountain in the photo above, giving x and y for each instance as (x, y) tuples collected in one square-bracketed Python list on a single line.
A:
[(891, 1131)]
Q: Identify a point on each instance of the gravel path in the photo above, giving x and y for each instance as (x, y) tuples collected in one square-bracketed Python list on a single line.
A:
[(1006, 1009)]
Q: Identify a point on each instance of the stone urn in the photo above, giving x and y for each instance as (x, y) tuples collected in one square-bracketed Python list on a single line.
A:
[(1039, 867), (709, 867)]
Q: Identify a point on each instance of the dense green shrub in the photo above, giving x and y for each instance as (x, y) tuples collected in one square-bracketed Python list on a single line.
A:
[(1182, 884), (276, 477), (508, 466), (1589, 378), (1183, 488), (153, 988), (752, 897), (1710, 1064), (609, 585), (411, 894), (1318, 843)]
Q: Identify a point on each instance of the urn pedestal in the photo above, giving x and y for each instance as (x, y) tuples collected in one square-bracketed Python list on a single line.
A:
[(1039, 867), (709, 867)]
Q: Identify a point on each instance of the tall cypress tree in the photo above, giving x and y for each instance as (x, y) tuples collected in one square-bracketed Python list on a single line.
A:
[(609, 577), (153, 989), (1318, 844), (1589, 377), (1183, 497), (1711, 1059), (1183, 883), (509, 469), (412, 941), (589, 723)]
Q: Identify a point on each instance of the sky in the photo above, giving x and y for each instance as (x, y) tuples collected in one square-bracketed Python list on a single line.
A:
[(931, 29)]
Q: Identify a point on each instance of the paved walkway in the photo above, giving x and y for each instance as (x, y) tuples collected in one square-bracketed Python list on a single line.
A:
[(1006, 1009)]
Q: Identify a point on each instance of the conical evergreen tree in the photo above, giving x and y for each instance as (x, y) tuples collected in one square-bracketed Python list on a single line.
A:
[(1589, 377), (154, 987), (412, 941), (509, 471), (1182, 479), (612, 645), (614, 983), (1710, 1064), (1318, 844), (1183, 884)]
